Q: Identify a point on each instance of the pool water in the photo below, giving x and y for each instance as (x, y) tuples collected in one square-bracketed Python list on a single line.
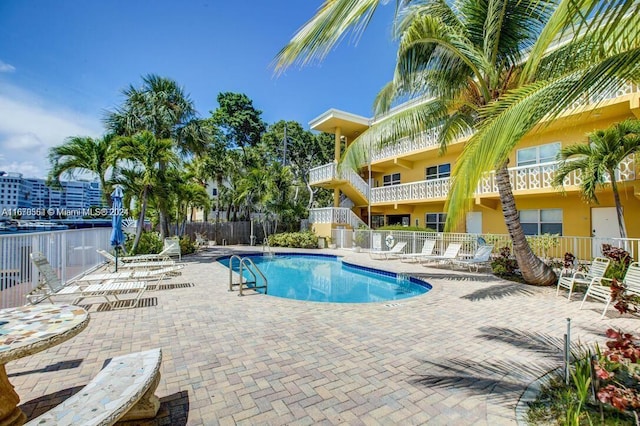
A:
[(328, 279)]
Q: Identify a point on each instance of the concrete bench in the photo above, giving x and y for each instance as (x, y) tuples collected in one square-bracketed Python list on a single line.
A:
[(122, 391)]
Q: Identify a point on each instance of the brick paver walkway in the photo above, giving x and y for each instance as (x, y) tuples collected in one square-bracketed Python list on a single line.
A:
[(461, 354)]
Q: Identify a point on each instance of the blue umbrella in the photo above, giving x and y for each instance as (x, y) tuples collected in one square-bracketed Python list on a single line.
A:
[(117, 236)]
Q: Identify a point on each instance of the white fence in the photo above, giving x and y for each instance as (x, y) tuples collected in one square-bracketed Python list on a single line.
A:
[(546, 246), (70, 252)]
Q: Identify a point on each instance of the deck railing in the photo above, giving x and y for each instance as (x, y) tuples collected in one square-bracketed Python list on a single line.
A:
[(70, 252), (546, 247), (338, 215), (328, 172)]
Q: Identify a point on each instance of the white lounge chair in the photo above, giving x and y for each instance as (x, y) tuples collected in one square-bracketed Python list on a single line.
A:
[(449, 254), (132, 275), (395, 251), (598, 268), (600, 289), (427, 250), (55, 287), (172, 246), (481, 257), (162, 256)]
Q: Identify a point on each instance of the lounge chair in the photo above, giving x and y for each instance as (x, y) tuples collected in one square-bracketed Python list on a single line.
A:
[(448, 256), (162, 256), (481, 257), (598, 268), (427, 250), (53, 286), (395, 251), (172, 246), (599, 290), (131, 275)]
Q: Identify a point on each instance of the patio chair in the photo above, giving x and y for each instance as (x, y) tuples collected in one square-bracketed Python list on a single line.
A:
[(395, 251), (599, 290), (132, 275), (201, 241), (598, 268), (53, 286), (427, 250), (448, 256), (482, 257)]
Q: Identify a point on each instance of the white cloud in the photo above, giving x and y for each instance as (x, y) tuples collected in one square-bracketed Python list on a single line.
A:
[(30, 125), (5, 67)]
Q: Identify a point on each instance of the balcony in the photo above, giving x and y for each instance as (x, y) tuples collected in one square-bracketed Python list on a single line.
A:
[(347, 181), (337, 215), (429, 138), (524, 179)]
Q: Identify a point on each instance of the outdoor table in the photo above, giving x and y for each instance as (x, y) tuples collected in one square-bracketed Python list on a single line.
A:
[(25, 331)]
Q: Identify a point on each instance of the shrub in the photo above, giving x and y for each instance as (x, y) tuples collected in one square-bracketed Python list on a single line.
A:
[(504, 264), (149, 243), (620, 261), (187, 246), (294, 240)]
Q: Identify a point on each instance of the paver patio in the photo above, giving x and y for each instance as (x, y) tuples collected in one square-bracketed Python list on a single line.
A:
[(461, 354)]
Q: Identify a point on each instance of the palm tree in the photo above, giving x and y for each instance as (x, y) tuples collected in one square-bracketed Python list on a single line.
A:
[(467, 60), (83, 154), (161, 107), (598, 160), (150, 157)]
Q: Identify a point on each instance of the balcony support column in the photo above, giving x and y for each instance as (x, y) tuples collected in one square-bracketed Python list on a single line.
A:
[(337, 153)]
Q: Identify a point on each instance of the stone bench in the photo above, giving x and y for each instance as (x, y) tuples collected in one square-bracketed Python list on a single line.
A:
[(122, 391)]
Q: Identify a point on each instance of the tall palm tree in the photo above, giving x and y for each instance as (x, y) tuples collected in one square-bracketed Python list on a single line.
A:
[(151, 157), (487, 68), (598, 160), (83, 154), (160, 106)]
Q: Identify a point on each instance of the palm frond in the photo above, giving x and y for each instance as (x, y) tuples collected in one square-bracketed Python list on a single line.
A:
[(319, 35)]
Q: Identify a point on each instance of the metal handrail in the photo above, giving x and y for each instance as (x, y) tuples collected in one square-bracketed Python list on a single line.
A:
[(231, 283), (265, 243), (255, 278)]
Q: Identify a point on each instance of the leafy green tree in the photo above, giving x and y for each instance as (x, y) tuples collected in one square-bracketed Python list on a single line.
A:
[(598, 160), (149, 157), (160, 106), (240, 123), (83, 154), (485, 68), (304, 151)]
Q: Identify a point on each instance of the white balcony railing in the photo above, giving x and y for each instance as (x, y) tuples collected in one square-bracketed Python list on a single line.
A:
[(430, 138), (523, 178), (540, 176), (328, 172), (338, 215), (422, 190)]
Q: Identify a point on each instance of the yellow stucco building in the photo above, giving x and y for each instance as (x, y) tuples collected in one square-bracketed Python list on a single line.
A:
[(410, 180)]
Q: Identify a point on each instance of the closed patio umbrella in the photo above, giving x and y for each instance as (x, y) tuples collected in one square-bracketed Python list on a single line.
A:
[(117, 236)]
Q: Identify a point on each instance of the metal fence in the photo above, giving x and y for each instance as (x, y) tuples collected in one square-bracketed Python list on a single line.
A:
[(547, 247), (70, 252)]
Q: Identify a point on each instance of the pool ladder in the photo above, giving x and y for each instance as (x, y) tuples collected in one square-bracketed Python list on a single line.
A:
[(250, 266), (266, 248)]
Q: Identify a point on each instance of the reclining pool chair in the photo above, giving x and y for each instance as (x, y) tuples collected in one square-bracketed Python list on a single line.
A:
[(600, 288), (427, 250), (395, 251), (53, 286)]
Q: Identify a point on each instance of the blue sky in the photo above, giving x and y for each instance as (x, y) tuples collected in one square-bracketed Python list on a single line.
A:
[(63, 64)]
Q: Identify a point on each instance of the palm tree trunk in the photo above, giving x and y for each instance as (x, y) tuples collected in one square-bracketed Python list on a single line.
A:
[(143, 210), (616, 198), (534, 271)]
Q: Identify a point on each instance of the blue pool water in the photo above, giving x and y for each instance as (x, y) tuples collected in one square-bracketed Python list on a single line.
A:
[(327, 279)]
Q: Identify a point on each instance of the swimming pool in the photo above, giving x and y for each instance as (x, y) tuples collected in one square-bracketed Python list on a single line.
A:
[(323, 278)]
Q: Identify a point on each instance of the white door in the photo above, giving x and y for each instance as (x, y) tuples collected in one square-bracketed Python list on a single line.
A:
[(604, 227), (474, 223)]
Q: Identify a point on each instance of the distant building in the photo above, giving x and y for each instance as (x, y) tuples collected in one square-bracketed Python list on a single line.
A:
[(30, 198)]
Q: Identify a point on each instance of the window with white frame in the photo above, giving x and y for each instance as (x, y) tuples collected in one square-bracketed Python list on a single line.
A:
[(435, 221), (544, 221), (439, 171), (393, 179), (538, 154)]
